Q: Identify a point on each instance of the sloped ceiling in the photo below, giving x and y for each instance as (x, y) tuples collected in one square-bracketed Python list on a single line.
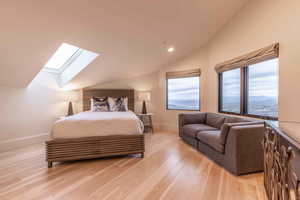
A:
[(129, 35)]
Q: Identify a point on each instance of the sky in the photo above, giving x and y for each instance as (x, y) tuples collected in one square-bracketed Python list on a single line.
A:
[(263, 80), (183, 89)]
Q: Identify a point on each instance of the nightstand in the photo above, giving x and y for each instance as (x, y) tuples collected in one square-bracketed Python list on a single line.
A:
[(147, 121)]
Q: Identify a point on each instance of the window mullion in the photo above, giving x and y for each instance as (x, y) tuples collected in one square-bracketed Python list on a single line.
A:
[(220, 105), (246, 90), (242, 91)]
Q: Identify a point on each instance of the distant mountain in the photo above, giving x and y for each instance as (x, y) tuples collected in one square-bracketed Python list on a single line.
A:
[(258, 105), (186, 104)]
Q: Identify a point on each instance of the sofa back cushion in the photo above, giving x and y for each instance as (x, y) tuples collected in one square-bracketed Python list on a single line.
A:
[(235, 120), (215, 120), (212, 139), (192, 118)]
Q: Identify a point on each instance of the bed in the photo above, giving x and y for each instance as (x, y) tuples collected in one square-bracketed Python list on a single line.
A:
[(90, 135)]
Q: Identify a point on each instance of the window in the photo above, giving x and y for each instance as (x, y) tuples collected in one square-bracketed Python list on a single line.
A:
[(250, 91), (68, 61), (231, 91), (263, 89), (183, 93)]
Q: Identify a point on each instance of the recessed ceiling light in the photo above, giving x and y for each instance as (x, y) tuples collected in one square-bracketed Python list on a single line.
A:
[(171, 49)]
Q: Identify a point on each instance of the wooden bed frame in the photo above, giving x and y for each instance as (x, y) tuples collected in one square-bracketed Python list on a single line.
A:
[(58, 150)]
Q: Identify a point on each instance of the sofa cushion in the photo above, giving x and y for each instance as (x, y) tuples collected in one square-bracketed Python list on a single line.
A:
[(235, 120), (192, 118), (215, 120), (230, 121), (193, 129), (211, 138)]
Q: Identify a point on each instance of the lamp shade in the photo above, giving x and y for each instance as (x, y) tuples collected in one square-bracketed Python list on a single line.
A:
[(144, 96), (72, 96)]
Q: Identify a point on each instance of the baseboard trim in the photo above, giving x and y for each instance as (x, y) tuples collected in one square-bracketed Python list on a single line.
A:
[(23, 142)]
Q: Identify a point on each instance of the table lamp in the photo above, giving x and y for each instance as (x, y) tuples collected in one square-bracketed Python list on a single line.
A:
[(144, 96)]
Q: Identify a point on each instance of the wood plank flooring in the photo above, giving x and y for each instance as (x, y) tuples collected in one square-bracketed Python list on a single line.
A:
[(170, 170)]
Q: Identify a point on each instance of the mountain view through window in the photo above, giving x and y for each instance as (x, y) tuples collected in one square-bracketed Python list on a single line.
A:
[(259, 92), (263, 88), (231, 88)]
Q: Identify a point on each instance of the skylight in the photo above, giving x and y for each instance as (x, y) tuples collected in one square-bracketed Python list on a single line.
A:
[(68, 61), (61, 56)]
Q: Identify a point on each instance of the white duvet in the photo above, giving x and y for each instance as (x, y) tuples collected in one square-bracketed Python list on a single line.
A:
[(87, 124)]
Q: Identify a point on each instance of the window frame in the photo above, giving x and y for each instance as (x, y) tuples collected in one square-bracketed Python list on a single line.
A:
[(244, 81), (167, 94), (220, 93)]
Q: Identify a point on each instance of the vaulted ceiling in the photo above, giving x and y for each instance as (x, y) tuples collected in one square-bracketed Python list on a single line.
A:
[(129, 35)]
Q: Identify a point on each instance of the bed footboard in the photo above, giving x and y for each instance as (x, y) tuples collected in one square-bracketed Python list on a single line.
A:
[(58, 150)]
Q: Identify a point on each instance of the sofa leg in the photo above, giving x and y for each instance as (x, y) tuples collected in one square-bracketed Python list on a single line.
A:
[(49, 164)]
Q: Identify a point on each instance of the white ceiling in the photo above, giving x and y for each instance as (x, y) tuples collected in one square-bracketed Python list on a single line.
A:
[(129, 35)]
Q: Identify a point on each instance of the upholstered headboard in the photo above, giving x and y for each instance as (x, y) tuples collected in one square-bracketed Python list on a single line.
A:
[(87, 94)]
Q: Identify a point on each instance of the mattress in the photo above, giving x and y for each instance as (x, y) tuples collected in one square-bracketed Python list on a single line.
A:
[(89, 124)]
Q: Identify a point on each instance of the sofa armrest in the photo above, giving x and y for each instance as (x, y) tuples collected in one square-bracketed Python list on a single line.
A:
[(227, 126), (190, 118), (244, 149)]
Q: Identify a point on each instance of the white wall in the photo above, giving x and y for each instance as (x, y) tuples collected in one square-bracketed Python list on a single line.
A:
[(258, 24), (169, 118), (30, 112)]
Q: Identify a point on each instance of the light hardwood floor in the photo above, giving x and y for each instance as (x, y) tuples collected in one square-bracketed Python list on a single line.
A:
[(170, 170)]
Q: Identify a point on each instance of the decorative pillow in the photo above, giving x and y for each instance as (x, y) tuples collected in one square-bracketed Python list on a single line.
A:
[(118, 104), (99, 104)]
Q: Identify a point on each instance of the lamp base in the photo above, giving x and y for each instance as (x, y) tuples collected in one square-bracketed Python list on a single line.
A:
[(144, 109), (70, 109)]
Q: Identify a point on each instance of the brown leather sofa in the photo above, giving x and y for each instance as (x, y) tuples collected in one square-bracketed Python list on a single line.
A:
[(232, 142)]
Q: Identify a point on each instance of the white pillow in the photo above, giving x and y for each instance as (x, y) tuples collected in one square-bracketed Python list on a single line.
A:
[(92, 104)]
